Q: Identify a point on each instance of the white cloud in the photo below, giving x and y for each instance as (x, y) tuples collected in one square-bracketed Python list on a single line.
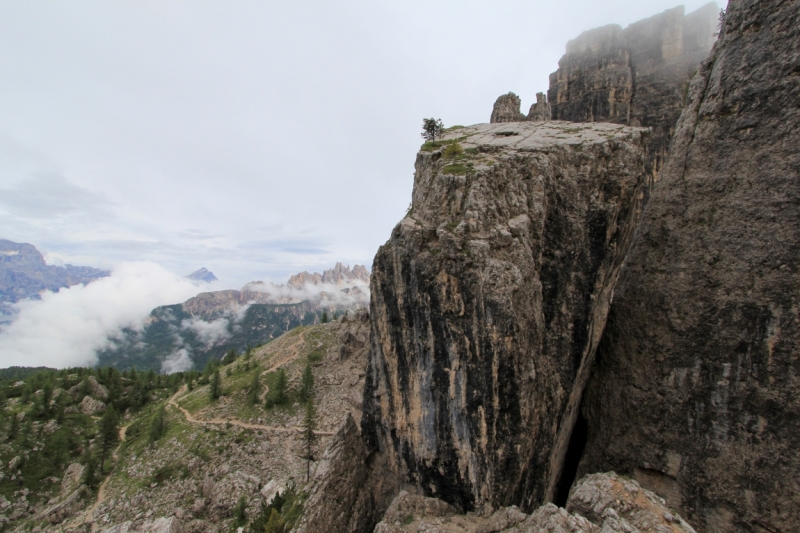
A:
[(65, 328), (209, 333), (353, 293), (177, 362)]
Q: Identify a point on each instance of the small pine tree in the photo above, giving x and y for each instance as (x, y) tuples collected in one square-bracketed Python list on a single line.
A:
[(324, 317), (157, 425), (230, 357), (254, 390), (240, 513), (47, 395), (90, 469), (215, 388), (109, 433), (277, 393), (13, 429), (307, 383), (309, 424), (432, 128), (275, 524)]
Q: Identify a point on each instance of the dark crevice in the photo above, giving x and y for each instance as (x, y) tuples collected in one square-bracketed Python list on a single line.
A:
[(577, 443)]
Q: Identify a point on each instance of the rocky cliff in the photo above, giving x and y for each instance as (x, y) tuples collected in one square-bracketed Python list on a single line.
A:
[(488, 302), (696, 390), (636, 76)]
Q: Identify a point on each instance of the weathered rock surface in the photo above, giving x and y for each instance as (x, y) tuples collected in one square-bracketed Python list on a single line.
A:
[(636, 76), (487, 304), (90, 406), (599, 503), (506, 109), (540, 111), (696, 390)]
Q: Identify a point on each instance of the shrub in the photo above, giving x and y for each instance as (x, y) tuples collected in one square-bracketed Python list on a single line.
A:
[(453, 150)]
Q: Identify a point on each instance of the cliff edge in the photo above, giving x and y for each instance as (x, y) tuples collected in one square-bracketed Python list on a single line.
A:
[(488, 302)]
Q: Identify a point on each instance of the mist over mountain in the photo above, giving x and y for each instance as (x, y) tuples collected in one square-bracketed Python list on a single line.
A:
[(180, 337), (24, 274)]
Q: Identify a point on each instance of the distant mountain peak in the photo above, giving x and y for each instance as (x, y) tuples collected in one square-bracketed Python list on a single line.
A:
[(203, 275), (337, 275)]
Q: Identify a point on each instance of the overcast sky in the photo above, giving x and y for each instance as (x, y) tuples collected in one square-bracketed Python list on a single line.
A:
[(253, 138)]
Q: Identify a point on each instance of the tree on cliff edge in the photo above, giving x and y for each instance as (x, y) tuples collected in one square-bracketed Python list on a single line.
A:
[(432, 128)]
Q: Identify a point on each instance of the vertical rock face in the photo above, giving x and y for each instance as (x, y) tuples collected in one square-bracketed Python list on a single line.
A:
[(696, 391), (488, 302), (635, 76), (506, 109), (540, 111)]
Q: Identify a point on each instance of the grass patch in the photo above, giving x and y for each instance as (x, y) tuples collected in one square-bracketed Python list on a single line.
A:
[(407, 520), (456, 169), (315, 356)]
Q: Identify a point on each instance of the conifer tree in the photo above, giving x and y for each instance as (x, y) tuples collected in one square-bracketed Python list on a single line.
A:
[(307, 383), (254, 390), (90, 470), (432, 128), (324, 317), (215, 388), (109, 433), (240, 513), (157, 425), (309, 424), (277, 392)]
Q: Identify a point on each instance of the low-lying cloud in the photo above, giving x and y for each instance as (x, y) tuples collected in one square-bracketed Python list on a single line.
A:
[(350, 294), (65, 328)]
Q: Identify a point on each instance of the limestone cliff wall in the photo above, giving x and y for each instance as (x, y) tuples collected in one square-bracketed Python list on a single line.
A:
[(637, 76), (696, 390), (488, 301)]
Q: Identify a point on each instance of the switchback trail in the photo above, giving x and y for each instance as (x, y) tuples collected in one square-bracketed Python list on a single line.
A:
[(294, 351)]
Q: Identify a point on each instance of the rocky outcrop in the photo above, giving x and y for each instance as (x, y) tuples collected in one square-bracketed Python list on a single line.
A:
[(696, 390), (540, 111), (506, 109), (90, 406), (488, 302), (636, 76), (600, 503)]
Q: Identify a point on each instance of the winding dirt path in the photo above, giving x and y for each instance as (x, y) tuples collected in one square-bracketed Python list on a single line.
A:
[(294, 352)]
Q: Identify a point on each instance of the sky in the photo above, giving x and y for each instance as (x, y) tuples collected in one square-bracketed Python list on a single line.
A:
[(254, 138)]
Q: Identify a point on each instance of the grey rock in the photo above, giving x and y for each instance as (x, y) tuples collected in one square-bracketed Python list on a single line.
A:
[(90, 406), (696, 391), (507, 109), (540, 111), (636, 76), (488, 302)]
